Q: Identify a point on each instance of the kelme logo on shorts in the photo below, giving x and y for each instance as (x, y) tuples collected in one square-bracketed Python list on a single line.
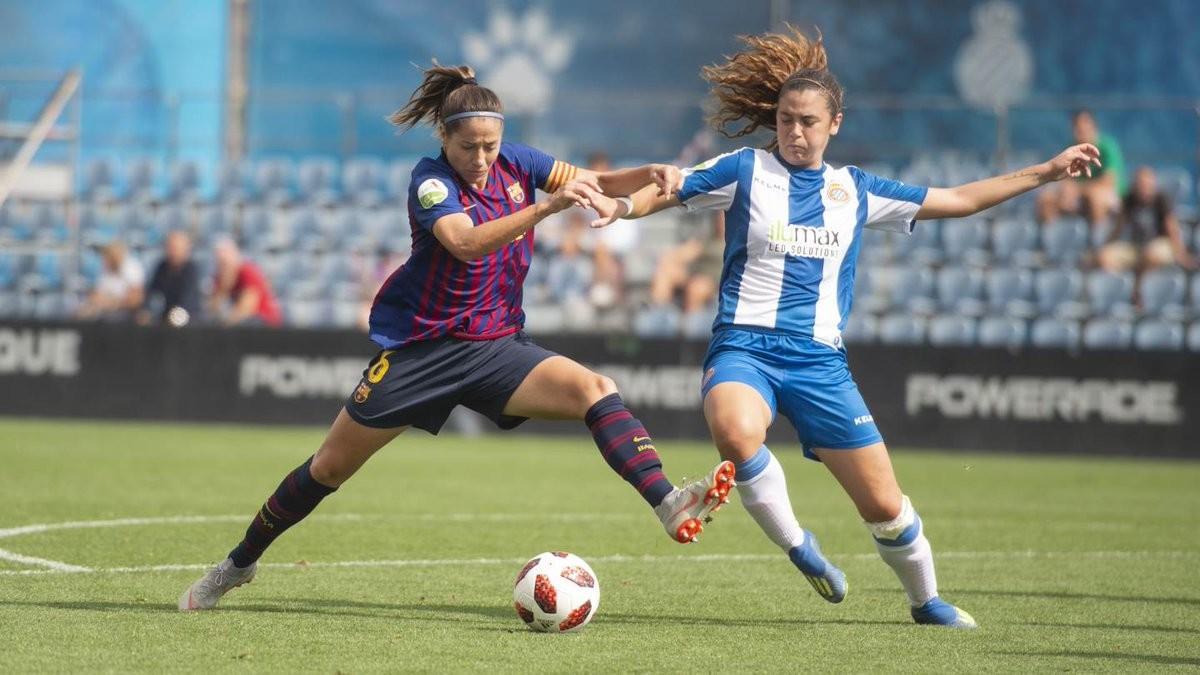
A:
[(431, 193)]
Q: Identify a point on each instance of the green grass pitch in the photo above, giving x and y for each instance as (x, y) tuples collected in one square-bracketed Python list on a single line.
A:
[(1067, 563)]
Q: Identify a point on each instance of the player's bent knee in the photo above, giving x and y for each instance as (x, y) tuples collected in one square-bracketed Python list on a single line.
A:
[(881, 508), (738, 436), (595, 387)]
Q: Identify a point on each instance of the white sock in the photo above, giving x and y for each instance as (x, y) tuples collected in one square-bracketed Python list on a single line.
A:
[(903, 546), (764, 494)]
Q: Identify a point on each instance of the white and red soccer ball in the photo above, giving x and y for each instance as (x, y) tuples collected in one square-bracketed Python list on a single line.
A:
[(556, 592)]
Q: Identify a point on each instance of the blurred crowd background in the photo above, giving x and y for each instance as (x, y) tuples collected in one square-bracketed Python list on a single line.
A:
[(229, 162)]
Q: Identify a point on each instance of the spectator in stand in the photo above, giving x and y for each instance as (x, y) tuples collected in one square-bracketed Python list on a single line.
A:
[(1095, 197), (689, 274), (173, 294), (608, 246), (118, 291), (570, 274), (1147, 233), (241, 295)]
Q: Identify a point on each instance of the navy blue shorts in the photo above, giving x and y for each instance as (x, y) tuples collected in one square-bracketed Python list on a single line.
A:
[(421, 383)]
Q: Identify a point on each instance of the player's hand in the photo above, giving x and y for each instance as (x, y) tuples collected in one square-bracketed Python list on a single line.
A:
[(608, 209), (668, 178), (579, 192), (1074, 162)]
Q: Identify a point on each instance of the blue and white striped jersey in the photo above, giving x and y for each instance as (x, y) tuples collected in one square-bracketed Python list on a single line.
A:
[(792, 237)]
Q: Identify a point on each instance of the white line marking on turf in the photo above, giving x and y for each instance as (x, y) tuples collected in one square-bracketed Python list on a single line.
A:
[(54, 565), (38, 528), (703, 558)]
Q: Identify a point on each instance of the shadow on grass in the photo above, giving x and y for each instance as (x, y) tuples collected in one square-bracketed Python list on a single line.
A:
[(1066, 595), (1118, 656), (1113, 626), (441, 612)]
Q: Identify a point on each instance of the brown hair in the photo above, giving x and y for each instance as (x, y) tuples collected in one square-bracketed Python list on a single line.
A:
[(445, 91), (747, 86)]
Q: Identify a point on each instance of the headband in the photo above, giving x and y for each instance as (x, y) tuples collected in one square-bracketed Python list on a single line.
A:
[(475, 113)]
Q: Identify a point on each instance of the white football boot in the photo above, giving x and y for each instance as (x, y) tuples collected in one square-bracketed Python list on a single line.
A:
[(684, 511), (215, 583)]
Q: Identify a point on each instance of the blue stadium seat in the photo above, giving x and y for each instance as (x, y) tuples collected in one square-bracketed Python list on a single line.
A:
[(657, 321), (1193, 337), (861, 328), (965, 241), (274, 180), (315, 178), (1015, 242), (184, 183), (345, 314), (952, 331), (922, 247), (1158, 335), (306, 313), (233, 184), (100, 179), (49, 270), (398, 176), (1107, 334), (1064, 241), (362, 174), (1002, 331), (8, 304), (960, 290), (913, 290), (141, 179), (1052, 332), (1176, 182), (1110, 295), (1058, 292), (876, 248), (1162, 293), (902, 329), (9, 270)]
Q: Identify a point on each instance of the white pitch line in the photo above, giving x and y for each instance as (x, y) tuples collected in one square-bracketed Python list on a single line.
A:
[(702, 558), (37, 528), (53, 565)]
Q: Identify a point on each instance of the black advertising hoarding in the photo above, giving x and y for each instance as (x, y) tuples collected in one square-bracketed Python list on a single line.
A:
[(1108, 403)]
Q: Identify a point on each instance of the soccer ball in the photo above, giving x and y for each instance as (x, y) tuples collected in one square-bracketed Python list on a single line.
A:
[(556, 592)]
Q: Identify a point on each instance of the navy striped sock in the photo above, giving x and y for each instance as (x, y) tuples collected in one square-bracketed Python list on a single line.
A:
[(295, 498), (627, 447)]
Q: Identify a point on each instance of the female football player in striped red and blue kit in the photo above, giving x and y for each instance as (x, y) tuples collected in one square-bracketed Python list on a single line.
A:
[(793, 227), (449, 322)]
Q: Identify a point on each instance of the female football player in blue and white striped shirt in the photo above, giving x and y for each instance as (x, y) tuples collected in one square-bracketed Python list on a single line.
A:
[(793, 230)]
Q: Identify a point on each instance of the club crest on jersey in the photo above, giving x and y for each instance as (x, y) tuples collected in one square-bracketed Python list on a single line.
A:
[(515, 193), (362, 392), (837, 193)]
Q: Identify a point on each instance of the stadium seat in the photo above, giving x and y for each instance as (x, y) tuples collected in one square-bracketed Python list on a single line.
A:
[(952, 331), (1107, 334), (1051, 332), (861, 328), (315, 179), (902, 329), (1158, 335), (345, 314), (922, 247), (541, 318), (233, 184), (141, 179), (306, 313), (398, 176), (964, 241), (1064, 241), (1002, 331), (100, 179), (8, 304), (9, 270), (960, 290), (1015, 242), (184, 182), (48, 268), (1110, 295), (1193, 337), (1162, 293), (1058, 293), (913, 290)]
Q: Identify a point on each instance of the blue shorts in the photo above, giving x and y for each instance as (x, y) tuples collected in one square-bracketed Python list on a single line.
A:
[(807, 381), (421, 383)]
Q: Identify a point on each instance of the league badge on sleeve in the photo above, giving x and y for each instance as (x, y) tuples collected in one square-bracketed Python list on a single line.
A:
[(431, 193)]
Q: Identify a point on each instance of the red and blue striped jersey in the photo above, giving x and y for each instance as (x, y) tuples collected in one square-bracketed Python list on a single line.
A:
[(435, 294)]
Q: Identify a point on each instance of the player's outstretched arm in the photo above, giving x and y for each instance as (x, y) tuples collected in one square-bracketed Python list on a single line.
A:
[(466, 241), (624, 182), (972, 198), (650, 199)]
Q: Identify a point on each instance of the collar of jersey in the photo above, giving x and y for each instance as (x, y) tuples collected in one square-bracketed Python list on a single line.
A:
[(793, 169)]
